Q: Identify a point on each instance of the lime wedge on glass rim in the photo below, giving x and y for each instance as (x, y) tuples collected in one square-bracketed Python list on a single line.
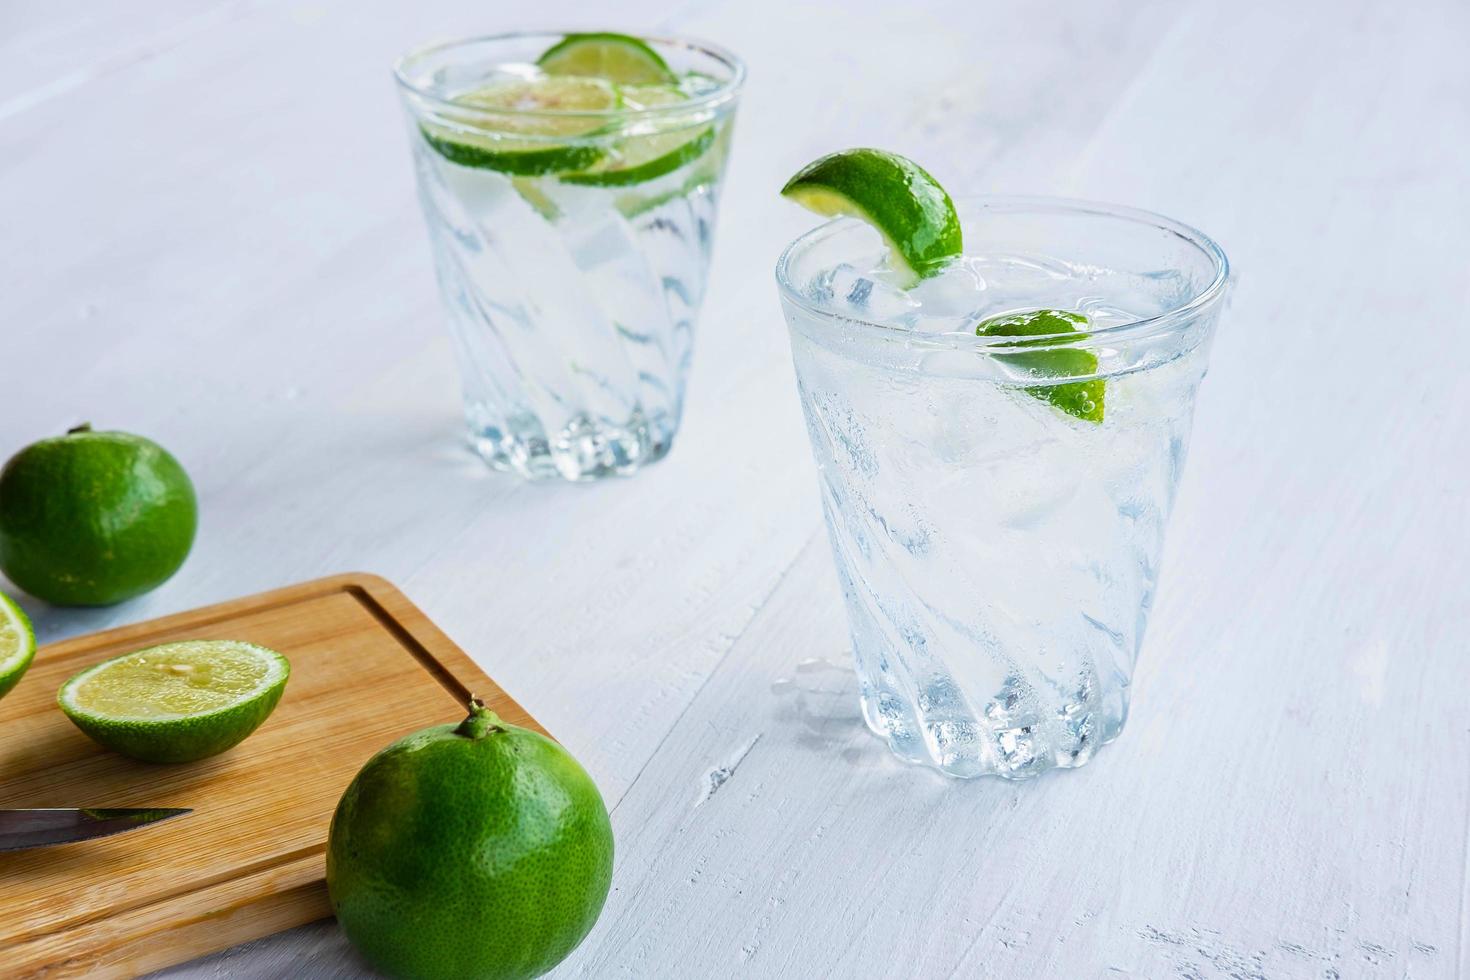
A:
[(534, 126), (893, 194), (177, 702), (614, 57), (1082, 399), (17, 644), (918, 221)]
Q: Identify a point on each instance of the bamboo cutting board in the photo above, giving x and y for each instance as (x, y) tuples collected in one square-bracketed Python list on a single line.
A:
[(366, 668)]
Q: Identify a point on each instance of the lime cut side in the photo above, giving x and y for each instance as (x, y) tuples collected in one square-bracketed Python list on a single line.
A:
[(614, 57), (893, 194), (537, 130), (1082, 399), (17, 644), (177, 702)]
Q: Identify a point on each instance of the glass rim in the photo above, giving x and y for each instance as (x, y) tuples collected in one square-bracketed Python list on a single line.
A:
[(713, 99), (1159, 323)]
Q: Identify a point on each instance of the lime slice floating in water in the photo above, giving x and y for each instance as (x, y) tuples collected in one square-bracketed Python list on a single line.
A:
[(530, 127), (177, 702), (894, 195), (614, 57), (17, 644), (638, 159), (1083, 399), (652, 96)]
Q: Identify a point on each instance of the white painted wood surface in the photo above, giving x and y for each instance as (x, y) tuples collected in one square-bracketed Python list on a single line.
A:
[(209, 235)]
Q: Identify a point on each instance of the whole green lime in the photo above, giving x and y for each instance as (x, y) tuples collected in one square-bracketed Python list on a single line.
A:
[(478, 851), (93, 518)]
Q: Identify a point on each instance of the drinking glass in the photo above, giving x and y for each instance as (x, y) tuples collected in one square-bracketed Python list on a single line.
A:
[(571, 285), (997, 554)]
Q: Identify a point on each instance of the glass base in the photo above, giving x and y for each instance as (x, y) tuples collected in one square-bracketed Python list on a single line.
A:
[(581, 451), (995, 744)]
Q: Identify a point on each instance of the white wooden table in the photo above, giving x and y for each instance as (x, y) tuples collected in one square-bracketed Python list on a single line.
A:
[(209, 235)]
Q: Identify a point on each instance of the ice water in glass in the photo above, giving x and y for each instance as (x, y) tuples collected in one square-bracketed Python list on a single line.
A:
[(572, 289), (999, 556)]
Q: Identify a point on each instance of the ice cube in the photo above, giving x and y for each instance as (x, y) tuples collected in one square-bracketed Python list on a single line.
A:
[(849, 291), (958, 290)]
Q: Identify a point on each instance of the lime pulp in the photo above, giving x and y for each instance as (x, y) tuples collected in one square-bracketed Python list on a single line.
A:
[(17, 644), (615, 57)]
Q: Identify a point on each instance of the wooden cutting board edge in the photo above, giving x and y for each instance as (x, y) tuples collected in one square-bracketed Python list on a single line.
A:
[(406, 622), (151, 937)]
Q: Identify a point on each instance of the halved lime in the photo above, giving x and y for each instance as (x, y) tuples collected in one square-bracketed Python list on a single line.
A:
[(17, 644), (615, 57), (894, 195), (177, 702), (531, 127), (1083, 399)]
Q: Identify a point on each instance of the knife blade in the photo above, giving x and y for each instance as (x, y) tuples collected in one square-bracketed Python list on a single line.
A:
[(21, 829)]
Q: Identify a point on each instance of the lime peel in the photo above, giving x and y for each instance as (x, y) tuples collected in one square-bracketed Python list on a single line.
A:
[(477, 849), (93, 518)]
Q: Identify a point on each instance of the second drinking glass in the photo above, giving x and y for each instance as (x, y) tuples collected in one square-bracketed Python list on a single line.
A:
[(996, 499), (570, 186)]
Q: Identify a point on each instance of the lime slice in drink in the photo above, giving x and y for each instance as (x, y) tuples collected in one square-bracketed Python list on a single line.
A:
[(642, 158), (533, 192), (894, 195), (17, 644), (529, 127), (614, 57), (651, 96), (177, 702), (1083, 399), (638, 159)]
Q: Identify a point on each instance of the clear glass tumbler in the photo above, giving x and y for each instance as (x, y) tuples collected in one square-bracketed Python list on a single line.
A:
[(998, 555), (571, 245)]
